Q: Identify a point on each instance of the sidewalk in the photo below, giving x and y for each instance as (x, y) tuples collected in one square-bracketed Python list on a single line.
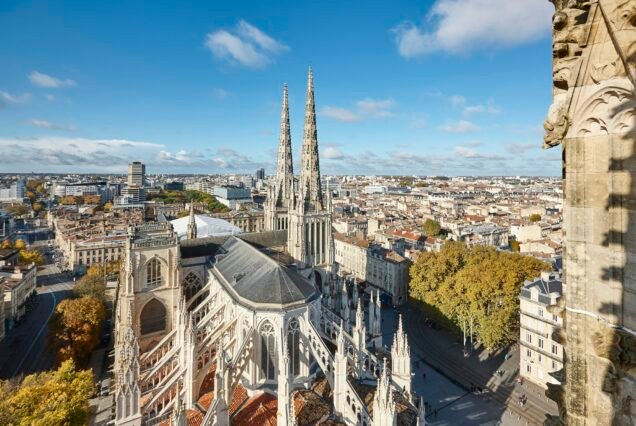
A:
[(443, 352)]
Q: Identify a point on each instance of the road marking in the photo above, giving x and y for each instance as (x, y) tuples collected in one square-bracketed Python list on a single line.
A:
[(46, 323)]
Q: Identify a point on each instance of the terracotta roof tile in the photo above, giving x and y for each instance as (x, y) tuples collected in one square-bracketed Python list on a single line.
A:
[(239, 396), (260, 410)]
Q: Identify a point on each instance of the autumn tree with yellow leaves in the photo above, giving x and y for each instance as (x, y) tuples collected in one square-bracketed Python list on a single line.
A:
[(75, 327), (458, 283), (52, 398)]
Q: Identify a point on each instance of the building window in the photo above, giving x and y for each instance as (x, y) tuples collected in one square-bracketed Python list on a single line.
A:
[(528, 369), (191, 285), (153, 317), (529, 353), (541, 343), (540, 312), (268, 352), (153, 272), (555, 350), (293, 346), (540, 358), (555, 318), (554, 365), (528, 337)]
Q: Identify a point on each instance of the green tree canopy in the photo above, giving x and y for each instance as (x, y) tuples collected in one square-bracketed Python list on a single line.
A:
[(459, 283), (535, 217), (91, 285), (52, 398), (431, 228)]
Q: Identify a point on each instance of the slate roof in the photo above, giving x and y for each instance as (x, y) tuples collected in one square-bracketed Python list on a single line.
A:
[(201, 246), (259, 279)]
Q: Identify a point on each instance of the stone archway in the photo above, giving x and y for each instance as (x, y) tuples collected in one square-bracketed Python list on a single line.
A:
[(153, 317)]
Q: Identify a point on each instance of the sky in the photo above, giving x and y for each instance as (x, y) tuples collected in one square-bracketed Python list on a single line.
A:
[(438, 87)]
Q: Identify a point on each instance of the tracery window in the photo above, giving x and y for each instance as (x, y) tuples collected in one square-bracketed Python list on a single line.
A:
[(293, 346), (153, 272), (191, 285), (269, 354)]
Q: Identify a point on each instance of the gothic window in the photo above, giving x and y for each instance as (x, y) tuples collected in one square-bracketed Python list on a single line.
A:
[(269, 356), (153, 272), (191, 285), (153, 317), (293, 346)]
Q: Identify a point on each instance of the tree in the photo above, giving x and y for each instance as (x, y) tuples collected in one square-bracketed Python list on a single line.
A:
[(18, 209), (459, 283), (6, 244), (52, 398), (26, 257), (535, 217), (75, 327), (108, 206), (515, 246), (432, 228), (19, 244), (38, 207), (91, 285), (69, 200)]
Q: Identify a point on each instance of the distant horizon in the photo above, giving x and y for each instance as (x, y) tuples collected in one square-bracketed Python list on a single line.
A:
[(267, 175)]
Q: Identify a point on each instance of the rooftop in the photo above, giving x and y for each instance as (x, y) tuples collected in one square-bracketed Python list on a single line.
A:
[(259, 279)]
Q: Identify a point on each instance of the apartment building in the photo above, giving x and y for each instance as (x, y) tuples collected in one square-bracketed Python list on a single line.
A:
[(540, 355)]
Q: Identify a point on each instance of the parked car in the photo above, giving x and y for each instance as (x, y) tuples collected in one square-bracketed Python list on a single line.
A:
[(104, 388)]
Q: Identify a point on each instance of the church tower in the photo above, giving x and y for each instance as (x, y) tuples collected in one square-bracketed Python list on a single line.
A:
[(280, 193), (310, 237)]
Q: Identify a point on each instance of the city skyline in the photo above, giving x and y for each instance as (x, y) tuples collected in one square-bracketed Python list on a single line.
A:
[(182, 108)]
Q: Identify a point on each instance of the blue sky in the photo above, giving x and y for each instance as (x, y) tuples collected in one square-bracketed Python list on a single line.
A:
[(452, 87)]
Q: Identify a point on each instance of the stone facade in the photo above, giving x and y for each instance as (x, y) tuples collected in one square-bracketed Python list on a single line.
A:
[(593, 118)]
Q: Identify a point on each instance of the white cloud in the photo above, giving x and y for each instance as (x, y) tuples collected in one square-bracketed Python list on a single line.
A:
[(457, 101), (250, 32), (418, 121), (44, 80), (461, 126), (340, 114), (461, 103), (44, 124), (64, 154), (465, 152), (364, 109), (376, 108), (247, 46), (9, 99), (221, 93), (461, 26), (521, 148), (332, 153), (488, 108)]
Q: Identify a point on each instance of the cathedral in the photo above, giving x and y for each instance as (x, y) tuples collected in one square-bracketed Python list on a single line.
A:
[(257, 328)]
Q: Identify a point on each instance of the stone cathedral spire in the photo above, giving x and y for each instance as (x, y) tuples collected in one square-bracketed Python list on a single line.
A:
[(285, 170), (310, 189), (281, 190), (310, 234)]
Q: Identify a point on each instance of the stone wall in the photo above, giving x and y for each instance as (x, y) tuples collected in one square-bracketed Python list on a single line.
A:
[(593, 118)]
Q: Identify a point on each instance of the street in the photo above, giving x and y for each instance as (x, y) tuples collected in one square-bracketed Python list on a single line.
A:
[(24, 350), (444, 377)]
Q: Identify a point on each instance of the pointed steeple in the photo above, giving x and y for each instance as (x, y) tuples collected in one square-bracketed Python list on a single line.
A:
[(421, 413), (285, 168), (192, 224), (310, 189)]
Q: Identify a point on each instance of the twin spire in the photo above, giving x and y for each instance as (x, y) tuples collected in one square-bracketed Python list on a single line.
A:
[(310, 191)]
